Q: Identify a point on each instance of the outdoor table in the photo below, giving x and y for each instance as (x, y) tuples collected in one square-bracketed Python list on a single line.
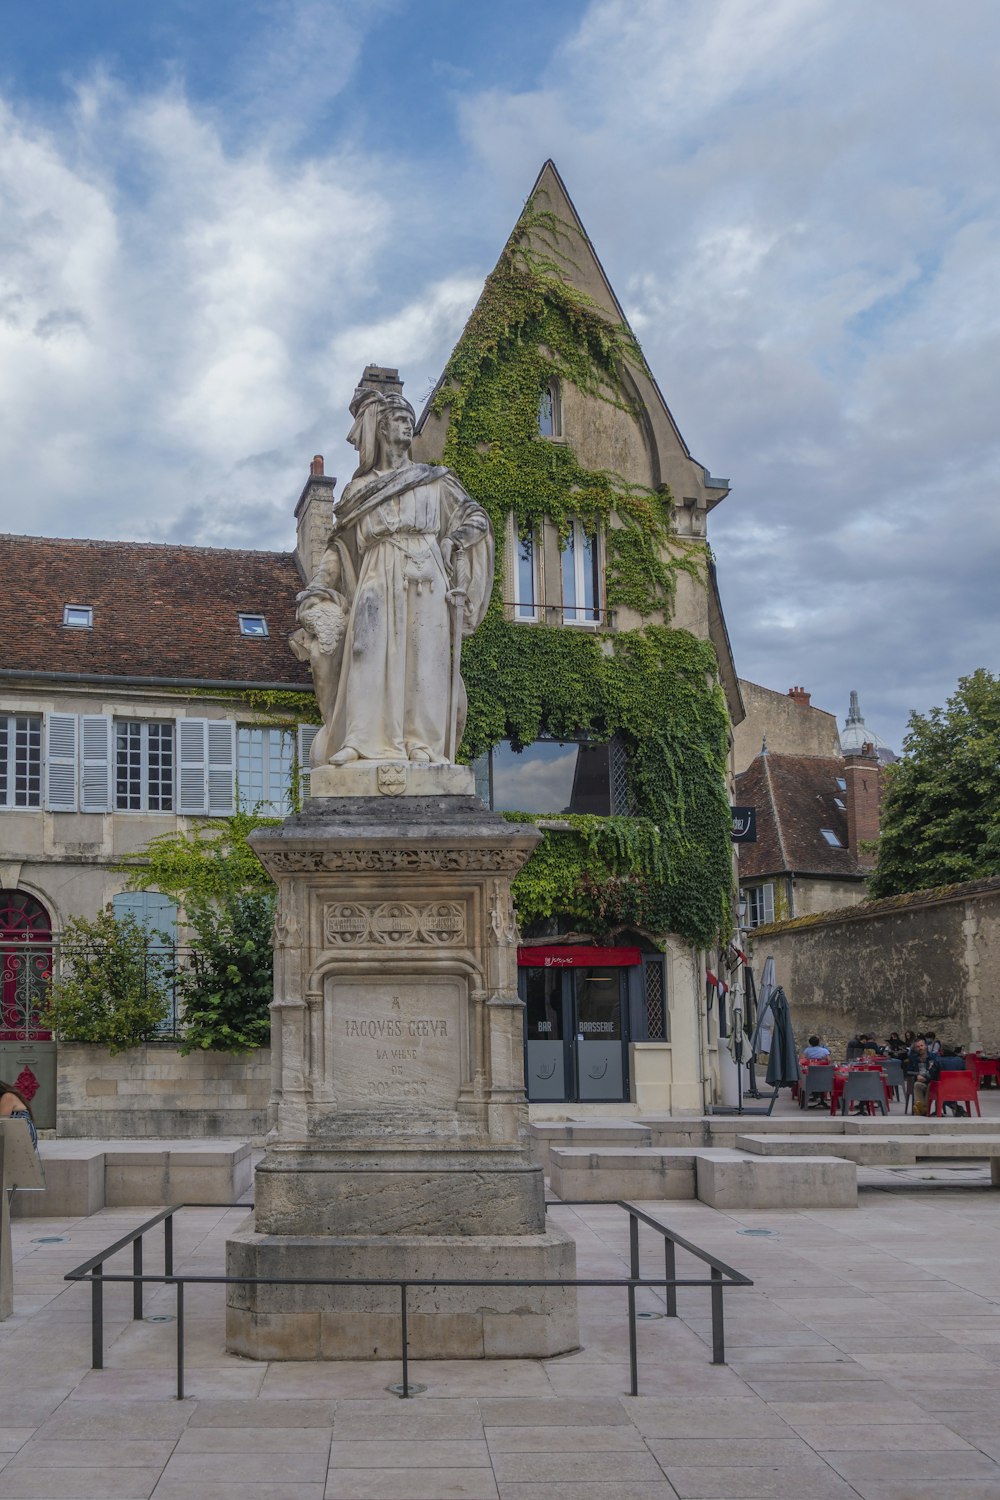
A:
[(840, 1077)]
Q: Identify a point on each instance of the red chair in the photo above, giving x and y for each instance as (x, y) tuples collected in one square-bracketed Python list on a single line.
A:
[(953, 1088), (983, 1068)]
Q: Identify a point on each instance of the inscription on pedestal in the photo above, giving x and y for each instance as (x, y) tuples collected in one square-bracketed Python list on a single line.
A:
[(394, 1042)]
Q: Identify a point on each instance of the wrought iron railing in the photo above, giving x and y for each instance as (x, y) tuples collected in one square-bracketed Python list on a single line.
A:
[(31, 970), (719, 1278)]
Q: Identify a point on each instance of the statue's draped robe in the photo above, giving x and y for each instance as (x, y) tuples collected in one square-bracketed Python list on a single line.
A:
[(395, 683)]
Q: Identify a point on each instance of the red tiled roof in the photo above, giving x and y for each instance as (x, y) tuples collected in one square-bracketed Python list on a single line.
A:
[(159, 611), (794, 797)]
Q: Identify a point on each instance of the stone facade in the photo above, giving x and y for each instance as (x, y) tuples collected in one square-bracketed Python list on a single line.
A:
[(930, 960)]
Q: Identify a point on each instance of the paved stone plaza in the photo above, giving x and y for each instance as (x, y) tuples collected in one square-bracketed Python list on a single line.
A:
[(863, 1362)]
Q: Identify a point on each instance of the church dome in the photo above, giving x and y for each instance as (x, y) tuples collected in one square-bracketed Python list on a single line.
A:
[(856, 734)]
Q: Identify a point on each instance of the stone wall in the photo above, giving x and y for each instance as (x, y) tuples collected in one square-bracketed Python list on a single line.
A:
[(930, 961), (154, 1092)]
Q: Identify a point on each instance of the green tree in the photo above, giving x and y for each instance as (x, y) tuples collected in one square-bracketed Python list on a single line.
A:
[(941, 812), (211, 863), (111, 987), (228, 901), (226, 987)]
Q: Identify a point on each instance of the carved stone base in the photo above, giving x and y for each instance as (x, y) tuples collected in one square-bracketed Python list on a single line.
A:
[(400, 1144), (464, 1194), (392, 778), (315, 1322)]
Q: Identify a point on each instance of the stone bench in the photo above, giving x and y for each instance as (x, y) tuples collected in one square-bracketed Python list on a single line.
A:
[(82, 1177), (605, 1174), (735, 1182), (719, 1177), (877, 1150)]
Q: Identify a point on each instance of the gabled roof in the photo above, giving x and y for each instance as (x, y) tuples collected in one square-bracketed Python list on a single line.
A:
[(581, 268), (162, 612), (795, 798)]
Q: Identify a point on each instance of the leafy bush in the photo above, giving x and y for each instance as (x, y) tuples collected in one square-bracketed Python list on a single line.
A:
[(111, 987), (226, 990)]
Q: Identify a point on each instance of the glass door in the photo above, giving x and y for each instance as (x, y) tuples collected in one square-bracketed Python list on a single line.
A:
[(575, 1033), (598, 1033), (546, 1051)]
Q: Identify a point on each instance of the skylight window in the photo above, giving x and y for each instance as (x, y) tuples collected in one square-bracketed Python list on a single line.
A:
[(831, 838), (253, 625), (78, 616), (841, 803), (842, 783)]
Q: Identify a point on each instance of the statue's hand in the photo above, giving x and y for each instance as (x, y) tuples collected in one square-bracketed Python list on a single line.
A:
[(447, 553)]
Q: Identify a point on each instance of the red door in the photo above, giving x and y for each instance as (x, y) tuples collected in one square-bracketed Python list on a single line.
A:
[(25, 966)]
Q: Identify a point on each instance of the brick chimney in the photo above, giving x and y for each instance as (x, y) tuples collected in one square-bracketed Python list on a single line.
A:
[(862, 772), (800, 696), (313, 518)]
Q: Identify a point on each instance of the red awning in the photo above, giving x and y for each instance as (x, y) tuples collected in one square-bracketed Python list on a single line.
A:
[(573, 956)]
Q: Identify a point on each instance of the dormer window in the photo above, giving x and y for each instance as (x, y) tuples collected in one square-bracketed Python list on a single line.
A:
[(549, 411), (78, 616), (253, 625)]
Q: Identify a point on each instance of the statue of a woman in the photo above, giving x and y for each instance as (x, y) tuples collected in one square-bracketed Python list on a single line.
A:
[(407, 573)]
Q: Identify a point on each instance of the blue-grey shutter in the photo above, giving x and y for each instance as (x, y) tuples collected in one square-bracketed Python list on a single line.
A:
[(60, 763), (221, 767), (192, 766), (95, 763), (306, 734)]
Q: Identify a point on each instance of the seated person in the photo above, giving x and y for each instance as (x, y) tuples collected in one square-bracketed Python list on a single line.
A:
[(895, 1046), (816, 1051), (948, 1060), (933, 1045), (870, 1046), (917, 1064)]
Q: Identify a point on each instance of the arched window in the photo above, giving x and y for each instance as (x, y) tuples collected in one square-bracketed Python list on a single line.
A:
[(25, 965), (549, 411)]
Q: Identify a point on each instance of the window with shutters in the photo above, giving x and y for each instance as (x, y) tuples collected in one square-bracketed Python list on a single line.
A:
[(264, 760), (20, 760), (760, 904), (144, 766)]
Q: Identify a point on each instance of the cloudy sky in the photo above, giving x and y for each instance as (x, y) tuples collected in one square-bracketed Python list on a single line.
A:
[(212, 215)]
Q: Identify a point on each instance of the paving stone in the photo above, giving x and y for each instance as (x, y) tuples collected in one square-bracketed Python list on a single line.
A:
[(262, 1440), (625, 1489), (444, 1453), (568, 1439), (732, 1483), (420, 1484), (546, 1468), (250, 1414), (555, 1412)]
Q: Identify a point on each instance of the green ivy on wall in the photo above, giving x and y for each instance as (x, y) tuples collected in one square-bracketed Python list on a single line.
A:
[(669, 869)]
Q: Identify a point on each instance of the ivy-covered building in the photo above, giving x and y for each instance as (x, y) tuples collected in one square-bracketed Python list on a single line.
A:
[(143, 687), (601, 683)]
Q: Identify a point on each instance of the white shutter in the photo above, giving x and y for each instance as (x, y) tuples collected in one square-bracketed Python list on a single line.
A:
[(221, 767), (306, 734), (95, 763), (60, 774), (192, 766)]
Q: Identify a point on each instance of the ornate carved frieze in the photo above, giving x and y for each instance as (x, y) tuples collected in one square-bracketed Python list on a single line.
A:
[(393, 923), (376, 861)]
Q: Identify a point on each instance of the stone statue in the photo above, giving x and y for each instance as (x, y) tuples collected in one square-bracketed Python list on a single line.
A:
[(406, 575)]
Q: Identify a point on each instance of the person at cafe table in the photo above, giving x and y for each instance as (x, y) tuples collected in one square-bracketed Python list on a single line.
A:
[(917, 1065), (816, 1052), (950, 1060)]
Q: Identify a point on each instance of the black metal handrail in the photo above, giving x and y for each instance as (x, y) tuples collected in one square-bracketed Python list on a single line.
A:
[(92, 1270)]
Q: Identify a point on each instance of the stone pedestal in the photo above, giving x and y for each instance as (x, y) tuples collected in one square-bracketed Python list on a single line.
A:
[(400, 1144)]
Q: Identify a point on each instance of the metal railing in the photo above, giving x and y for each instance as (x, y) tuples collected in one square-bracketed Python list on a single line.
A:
[(720, 1277), (29, 969)]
